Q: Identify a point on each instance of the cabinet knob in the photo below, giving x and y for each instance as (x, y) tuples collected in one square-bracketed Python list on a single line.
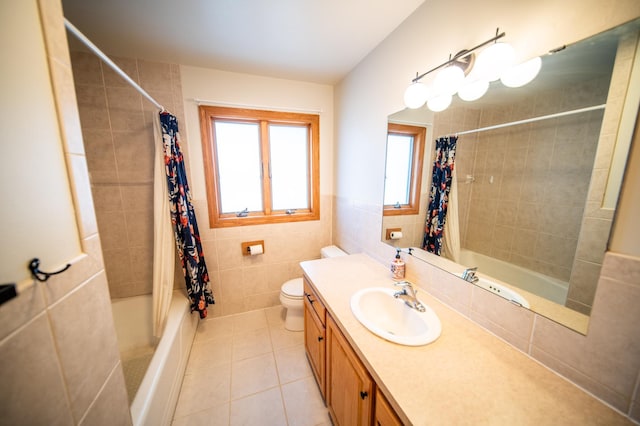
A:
[(320, 338), (363, 395)]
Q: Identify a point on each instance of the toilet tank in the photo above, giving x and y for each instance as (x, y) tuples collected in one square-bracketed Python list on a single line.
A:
[(331, 251)]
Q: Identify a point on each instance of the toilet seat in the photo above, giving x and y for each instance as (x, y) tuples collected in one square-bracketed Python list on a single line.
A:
[(293, 289)]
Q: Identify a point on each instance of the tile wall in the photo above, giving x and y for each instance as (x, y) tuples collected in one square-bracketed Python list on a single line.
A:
[(57, 340), (117, 127)]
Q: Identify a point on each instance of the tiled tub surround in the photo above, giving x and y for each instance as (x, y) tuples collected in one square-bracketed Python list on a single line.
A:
[(467, 376)]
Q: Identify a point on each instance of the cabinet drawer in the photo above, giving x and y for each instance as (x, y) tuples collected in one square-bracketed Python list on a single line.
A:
[(311, 300)]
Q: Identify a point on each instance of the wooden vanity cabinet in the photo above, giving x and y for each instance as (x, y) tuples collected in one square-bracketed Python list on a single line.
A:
[(314, 335), (349, 385), (384, 415), (346, 386)]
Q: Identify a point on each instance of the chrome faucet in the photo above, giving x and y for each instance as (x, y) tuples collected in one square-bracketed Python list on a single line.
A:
[(408, 294), (469, 274)]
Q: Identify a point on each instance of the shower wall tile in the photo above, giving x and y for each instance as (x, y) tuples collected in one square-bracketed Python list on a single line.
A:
[(139, 228), (110, 405), (92, 107), (85, 212), (86, 69), (87, 344), (31, 372), (112, 79)]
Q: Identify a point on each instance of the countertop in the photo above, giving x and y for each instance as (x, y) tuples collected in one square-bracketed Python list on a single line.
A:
[(467, 376)]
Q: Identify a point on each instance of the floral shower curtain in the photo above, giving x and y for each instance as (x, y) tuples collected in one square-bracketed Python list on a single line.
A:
[(439, 195), (183, 219)]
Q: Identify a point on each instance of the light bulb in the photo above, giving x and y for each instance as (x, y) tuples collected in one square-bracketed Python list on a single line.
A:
[(473, 90), (494, 60), (522, 74), (448, 80), (439, 103), (416, 95)]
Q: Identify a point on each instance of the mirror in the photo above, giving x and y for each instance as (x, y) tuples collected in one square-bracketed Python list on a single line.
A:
[(535, 195)]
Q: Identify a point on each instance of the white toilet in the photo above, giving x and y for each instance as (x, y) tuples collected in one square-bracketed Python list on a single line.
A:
[(291, 294)]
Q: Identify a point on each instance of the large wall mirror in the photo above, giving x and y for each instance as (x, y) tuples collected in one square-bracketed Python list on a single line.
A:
[(537, 175)]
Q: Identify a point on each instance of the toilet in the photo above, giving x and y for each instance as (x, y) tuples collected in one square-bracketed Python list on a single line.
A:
[(291, 294)]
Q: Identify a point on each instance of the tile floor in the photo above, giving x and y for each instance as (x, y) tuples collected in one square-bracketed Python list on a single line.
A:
[(246, 369)]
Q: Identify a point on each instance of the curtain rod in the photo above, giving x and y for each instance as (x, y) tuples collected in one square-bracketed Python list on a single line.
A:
[(261, 107), (531, 120), (109, 62)]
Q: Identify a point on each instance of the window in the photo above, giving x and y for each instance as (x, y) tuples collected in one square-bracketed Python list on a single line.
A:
[(260, 166), (403, 171)]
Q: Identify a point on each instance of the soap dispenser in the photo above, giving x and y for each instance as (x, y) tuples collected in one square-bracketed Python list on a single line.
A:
[(397, 267)]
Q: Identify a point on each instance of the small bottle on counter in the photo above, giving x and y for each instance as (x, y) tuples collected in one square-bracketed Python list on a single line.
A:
[(397, 267)]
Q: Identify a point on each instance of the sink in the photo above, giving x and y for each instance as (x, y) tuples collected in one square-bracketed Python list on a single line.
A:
[(391, 319), (503, 291)]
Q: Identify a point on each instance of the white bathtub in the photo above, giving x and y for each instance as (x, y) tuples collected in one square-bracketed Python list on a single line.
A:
[(155, 401), (548, 287)]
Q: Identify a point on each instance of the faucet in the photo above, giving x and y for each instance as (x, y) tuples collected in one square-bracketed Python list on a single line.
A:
[(408, 294), (469, 274)]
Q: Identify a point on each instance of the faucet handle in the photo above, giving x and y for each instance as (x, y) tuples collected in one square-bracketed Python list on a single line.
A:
[(403, 284)]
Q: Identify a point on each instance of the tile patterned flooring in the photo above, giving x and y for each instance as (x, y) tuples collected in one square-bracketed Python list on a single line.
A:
[(246, 369)]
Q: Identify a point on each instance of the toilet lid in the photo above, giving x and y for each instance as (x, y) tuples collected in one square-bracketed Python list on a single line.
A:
[(293, 287)]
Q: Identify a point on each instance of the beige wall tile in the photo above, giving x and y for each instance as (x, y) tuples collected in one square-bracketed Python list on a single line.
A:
[(92, 106), (86, 69), (27, 373), (82, 324), (81, 189), (112, 79), (593, 242), (111, 404), (621, 268)]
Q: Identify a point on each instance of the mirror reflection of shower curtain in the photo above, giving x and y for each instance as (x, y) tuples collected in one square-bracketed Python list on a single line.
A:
[(163, 239), (443, 165), (451, 231)]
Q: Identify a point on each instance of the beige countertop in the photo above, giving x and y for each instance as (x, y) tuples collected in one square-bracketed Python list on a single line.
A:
[(467, 376)]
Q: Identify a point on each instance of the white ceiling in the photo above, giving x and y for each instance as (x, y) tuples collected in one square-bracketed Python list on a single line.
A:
[(311, 40)]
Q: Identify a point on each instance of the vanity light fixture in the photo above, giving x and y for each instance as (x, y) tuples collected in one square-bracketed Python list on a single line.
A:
[(521, 74), (449, 80), (473, 89)]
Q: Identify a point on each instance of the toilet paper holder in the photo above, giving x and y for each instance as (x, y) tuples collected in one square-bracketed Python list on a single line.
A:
[(246, 247), (391, 231)]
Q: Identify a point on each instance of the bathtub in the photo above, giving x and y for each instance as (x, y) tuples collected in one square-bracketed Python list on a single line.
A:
[(534, 282), (155, 401)]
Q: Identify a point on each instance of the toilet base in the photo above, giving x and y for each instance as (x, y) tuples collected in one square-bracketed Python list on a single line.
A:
[(294, 321)]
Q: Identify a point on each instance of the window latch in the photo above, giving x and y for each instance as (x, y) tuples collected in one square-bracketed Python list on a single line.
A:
[(290, 211), (243, 213), (397, 205)]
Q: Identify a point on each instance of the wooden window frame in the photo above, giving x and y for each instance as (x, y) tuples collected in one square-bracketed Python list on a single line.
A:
[(417, 162), (208, 115)]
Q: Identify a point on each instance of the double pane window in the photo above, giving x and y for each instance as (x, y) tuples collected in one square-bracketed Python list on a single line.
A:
[(261, 166)]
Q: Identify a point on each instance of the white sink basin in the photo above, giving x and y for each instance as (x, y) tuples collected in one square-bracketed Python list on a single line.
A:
[(392, 319)]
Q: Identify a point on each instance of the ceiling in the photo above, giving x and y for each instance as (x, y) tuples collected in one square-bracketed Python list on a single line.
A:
[(308, 40)]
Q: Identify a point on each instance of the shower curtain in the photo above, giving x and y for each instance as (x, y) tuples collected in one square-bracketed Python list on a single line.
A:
[(183, 219), (443, 165), (163, 245), (451, 230)]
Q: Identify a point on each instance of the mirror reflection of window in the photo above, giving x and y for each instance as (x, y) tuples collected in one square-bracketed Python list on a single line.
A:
[(398, 173), (403, 172)]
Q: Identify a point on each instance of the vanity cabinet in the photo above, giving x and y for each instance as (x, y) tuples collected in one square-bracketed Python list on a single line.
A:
[(384, 415), (314, 335), (349, 386)]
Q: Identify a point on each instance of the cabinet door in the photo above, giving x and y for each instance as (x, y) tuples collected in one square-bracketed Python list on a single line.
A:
[(349, 386), (384, 413), (314, 344)]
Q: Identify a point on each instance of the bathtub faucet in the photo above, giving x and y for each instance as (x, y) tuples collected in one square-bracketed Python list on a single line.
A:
[(469, 274), (408, 294)]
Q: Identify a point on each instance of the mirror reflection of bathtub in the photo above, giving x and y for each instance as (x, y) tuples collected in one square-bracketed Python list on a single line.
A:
[(525, 279)]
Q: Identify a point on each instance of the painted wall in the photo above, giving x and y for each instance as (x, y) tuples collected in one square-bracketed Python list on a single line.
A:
[(38, 179), (60, 360), (606, 361), (243, 283)]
